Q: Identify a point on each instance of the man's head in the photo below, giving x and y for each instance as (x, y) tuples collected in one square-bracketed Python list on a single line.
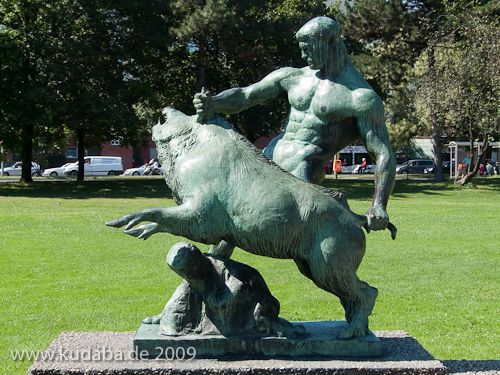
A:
[(315, 38), (319, 29)]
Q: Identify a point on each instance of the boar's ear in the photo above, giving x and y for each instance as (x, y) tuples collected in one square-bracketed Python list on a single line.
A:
[(171, 117), (171, 113)]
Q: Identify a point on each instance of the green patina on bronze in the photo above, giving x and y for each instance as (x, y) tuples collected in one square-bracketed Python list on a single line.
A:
[(230, 194), (219, 297)]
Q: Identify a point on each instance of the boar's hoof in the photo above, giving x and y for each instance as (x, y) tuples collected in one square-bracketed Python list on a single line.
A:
[(152, 319)]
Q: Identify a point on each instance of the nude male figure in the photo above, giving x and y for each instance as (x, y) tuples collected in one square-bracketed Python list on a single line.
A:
[(331, 105)]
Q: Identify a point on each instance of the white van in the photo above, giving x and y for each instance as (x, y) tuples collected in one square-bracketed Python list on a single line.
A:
[(97, 166)]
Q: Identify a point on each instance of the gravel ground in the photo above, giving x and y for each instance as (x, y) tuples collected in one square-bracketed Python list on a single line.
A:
[(464, 367)]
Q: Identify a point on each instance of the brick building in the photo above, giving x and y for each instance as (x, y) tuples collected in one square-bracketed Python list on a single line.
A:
[(131, 156)]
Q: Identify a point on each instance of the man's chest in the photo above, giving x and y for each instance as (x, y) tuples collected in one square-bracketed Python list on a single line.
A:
[(327, 100)]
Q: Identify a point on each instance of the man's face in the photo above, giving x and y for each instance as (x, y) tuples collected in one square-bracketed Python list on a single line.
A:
[(314, 53)]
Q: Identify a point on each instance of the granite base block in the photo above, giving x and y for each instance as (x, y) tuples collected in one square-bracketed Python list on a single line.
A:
[(321, 341), (112, 353)]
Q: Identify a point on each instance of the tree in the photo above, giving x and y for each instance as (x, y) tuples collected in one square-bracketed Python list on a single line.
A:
[(81, 65), (24, 91), (467, 81), (387, 38), (225, 35), (97, 68), (112, 43)]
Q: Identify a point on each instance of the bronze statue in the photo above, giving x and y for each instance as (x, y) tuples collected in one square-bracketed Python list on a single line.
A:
[(230, 194), (219, 296)]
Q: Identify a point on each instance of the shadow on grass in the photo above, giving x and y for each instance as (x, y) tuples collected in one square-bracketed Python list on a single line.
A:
[(99, 188), (156, 187), (364, 189)]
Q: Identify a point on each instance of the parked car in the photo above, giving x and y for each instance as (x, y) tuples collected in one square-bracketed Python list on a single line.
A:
[(16, 169), (97, 166), (415, 166), (446, 168), (58, 171), (139, 171)]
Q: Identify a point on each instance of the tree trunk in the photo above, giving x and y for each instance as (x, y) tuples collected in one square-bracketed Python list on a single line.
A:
[(81, 154), (201, 63), (26, 153), (472, 170), (435, 130)]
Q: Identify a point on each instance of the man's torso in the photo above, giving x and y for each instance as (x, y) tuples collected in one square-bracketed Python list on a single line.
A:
[(322, 117)]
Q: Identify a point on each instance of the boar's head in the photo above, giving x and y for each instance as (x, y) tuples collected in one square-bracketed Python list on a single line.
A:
[(176, 125), (173, 138)]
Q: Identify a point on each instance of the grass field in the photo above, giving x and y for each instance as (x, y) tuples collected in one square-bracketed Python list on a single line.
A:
[(62, 269)]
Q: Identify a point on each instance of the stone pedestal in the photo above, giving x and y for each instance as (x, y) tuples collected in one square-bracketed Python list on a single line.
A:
[(112, 353), (321, 342)]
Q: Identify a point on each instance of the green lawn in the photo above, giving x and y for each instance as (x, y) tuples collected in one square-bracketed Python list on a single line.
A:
[(64, 270)]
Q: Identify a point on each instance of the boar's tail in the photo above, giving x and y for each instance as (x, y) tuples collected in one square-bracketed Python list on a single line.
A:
[(390, 226)]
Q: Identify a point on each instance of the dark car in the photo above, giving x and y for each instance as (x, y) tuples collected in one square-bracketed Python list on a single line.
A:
[(415, 166), (446, 168)]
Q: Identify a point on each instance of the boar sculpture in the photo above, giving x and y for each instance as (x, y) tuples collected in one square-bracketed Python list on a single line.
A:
[(229, 194)]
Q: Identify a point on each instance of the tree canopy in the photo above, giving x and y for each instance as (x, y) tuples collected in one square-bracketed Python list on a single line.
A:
[(101, 70), (72, 67), (414, 54), (467, 80)]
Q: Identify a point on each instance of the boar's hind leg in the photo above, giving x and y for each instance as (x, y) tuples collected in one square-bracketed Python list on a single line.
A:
[(358, 310), (339, 277), (358, 299), (223, 248)]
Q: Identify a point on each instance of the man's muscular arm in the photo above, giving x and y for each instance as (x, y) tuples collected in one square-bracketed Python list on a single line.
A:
[(370, 119), (235, 100)]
